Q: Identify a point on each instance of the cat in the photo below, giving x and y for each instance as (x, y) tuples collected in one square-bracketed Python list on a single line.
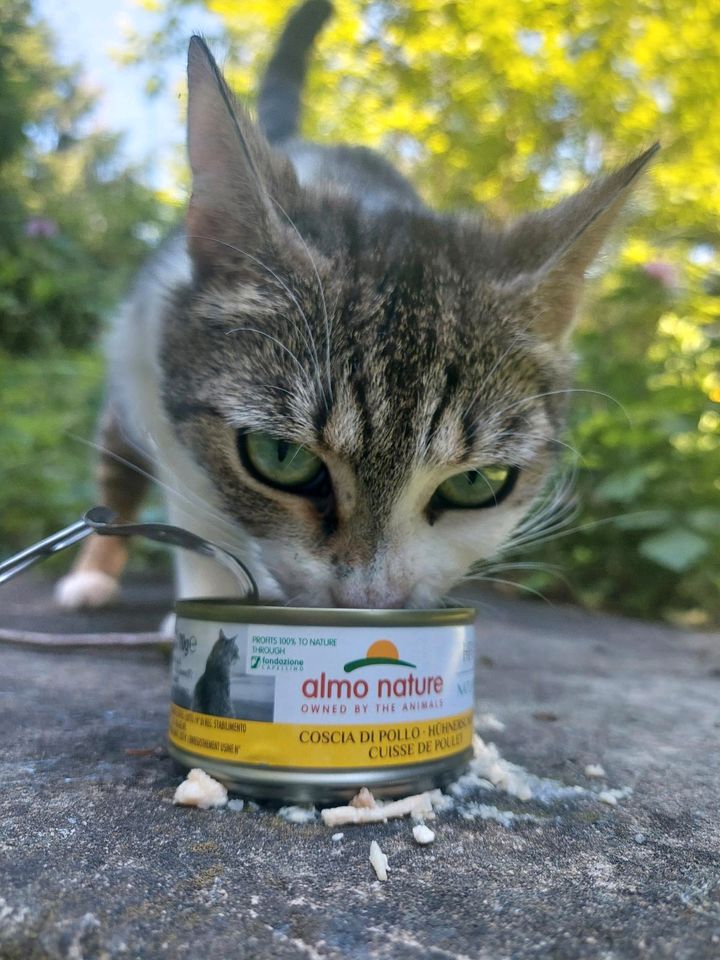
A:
[(212, 691), (359, 396)]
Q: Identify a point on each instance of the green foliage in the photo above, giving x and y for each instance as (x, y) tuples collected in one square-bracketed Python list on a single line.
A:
[(46, 473), (648, 541), (50, 404)]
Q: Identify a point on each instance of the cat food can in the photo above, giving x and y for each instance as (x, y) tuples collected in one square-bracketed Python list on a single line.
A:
[(312, 704)]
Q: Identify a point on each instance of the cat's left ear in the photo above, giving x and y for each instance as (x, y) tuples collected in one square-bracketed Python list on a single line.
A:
[(235, 173), (554, 248)]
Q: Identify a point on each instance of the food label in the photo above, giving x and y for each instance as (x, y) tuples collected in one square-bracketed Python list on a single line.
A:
[(322, 697)]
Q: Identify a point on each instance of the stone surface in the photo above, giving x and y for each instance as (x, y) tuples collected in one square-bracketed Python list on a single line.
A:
[(96, 862)]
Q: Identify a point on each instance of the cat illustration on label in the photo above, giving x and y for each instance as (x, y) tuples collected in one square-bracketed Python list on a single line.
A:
[(212, 691), (223, 689)]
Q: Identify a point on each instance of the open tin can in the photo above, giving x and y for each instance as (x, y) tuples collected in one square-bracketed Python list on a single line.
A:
[(305, 704), (308, 704)]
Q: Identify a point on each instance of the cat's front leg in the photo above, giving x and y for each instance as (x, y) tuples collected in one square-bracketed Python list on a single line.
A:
[(123, 476)]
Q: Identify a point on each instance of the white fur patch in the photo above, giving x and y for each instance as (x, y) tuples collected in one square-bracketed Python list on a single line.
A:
[(86, 588)]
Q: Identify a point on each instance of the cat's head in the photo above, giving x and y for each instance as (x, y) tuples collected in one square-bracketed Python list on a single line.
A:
[(224, 650), (376, 399)]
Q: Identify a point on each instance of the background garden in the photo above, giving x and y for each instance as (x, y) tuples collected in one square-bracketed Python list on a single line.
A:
[(506, 106)]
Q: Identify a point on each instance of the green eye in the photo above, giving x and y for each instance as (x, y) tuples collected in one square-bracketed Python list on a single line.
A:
[(279, 462), (477, 488)]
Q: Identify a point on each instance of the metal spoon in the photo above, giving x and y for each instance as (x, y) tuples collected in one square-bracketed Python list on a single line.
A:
[(101, 520)]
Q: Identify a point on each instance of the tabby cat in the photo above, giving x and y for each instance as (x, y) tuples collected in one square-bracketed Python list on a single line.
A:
[(359, 396)]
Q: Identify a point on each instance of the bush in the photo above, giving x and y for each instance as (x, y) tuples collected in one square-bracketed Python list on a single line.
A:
[(48, 401)]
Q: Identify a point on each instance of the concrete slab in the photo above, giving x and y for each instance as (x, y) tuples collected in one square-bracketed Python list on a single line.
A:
[(96, 862)]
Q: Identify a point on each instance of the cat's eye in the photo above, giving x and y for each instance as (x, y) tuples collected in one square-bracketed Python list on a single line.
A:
[(281, 464), (476, 488)]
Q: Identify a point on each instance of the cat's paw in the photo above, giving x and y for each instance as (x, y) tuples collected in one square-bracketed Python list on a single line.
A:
[(167, 627), (86, 588)]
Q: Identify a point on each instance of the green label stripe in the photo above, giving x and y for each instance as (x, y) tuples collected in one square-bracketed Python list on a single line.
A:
[(371, 661)]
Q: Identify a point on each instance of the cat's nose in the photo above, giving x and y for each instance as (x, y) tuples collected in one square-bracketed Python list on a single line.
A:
[(364, 596)]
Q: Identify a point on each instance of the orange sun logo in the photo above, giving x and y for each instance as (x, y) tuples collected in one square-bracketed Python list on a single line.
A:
[(379, 652), (383, 648)]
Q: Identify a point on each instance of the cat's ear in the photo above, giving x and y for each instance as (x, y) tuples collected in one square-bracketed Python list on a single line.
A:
[(234, 171), (554, 248)]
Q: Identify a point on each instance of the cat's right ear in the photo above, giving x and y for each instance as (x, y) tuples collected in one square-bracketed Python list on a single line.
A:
[(552, 250), (234, 172)]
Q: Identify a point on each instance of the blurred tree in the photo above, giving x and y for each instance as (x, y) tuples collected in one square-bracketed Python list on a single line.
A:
[(74, 225), (75, 221)]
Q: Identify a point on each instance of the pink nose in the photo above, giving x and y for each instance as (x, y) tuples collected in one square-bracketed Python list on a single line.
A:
[(364, 596)]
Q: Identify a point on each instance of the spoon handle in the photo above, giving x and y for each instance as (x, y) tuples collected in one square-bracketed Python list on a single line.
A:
[(102, 520), (64, 538)]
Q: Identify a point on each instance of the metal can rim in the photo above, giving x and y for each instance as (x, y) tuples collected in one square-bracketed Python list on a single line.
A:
[(224, 609)]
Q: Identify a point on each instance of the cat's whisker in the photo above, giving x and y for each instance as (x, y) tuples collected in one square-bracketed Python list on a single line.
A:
[(559, 509), (548, 515), (450, 601), (193, 503), (321, 288), (551, 569), (270, 337), (510, 583), (516, 435), (551, 523), (515, 341), (276, 387), (310, 344), (591, 525), (520, 565), (476, 602), (189, 497), (552, 393), (560, 443)]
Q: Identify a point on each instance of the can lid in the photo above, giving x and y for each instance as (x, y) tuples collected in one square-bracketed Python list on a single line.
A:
[(231, 609)]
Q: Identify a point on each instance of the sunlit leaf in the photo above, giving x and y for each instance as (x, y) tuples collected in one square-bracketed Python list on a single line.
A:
[(677, 550)]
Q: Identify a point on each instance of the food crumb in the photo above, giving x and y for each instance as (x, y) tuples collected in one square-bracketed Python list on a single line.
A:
[(363, 800), (336, 837), (423, 835), (295, 814), (594, 770), (236, 805), (488, 721), (200, 790), (419, 806), (607, 796), (378, 860)]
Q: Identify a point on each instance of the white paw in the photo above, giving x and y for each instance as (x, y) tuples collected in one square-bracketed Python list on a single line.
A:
[(86, 588), (167, 627)]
